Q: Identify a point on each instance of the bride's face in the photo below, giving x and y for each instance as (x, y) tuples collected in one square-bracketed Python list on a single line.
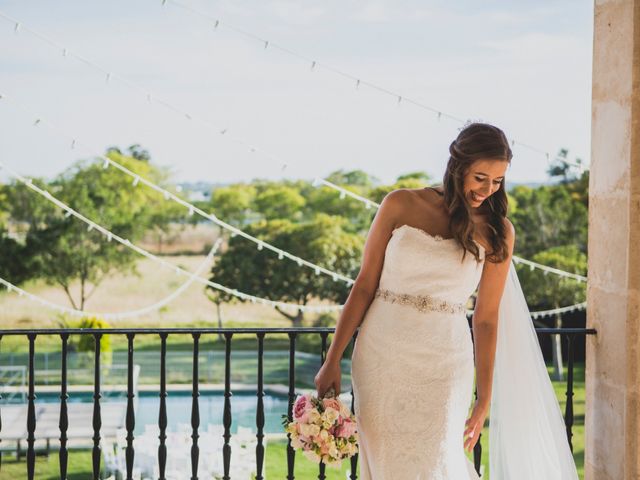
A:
[(483, 179)]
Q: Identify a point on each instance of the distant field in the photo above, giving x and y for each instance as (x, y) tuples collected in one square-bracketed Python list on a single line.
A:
[(181, 239), (122, 293)]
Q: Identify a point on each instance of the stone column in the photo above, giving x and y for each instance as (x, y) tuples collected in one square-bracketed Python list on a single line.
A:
[(612, 422)]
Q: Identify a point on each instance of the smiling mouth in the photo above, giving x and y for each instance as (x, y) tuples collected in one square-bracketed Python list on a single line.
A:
[(476, 197)]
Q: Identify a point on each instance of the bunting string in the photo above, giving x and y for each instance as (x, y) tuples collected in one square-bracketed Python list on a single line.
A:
[(357, 81), (180, 271), (189, 206), (193, 276)]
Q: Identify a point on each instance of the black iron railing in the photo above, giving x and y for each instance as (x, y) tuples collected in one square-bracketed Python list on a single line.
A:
[(569, 333)]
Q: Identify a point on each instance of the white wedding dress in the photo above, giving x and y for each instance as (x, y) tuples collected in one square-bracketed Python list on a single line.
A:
[(412, 365), (412, 371)]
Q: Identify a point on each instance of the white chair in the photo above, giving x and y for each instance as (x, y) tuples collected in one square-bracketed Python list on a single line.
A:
[(109, 457), (215, 428), (152, 429), (184, 427), (121, 437)]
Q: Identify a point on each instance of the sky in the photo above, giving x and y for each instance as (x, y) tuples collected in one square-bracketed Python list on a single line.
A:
[(524, 66)]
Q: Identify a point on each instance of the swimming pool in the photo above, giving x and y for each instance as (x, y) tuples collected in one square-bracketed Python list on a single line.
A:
[(211, 407)]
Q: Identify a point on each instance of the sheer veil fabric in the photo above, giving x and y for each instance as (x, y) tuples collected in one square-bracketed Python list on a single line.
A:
[(527, 435)]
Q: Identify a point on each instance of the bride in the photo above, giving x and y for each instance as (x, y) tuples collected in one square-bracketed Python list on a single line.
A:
[(414, 361)]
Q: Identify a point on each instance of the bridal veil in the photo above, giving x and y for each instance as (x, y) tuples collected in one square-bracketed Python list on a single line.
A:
[(527, 434)]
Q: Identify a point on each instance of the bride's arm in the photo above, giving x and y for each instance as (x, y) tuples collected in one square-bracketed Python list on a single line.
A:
[(485, 318), (366, 283)]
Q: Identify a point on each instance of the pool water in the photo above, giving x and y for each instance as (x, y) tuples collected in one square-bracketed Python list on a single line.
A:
[(211, 404), (211, 407)]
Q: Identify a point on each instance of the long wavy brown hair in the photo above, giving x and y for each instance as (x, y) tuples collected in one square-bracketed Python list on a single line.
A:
[(474, 142)]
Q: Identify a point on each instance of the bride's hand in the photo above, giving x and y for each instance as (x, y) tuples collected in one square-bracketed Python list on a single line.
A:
[(474, 424), (328, 376)]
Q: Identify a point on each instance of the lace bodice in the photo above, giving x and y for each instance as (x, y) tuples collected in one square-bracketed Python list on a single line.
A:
[(418, 263)]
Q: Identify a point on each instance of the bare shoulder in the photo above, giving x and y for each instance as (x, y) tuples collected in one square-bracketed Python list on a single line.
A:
[(509, 226), (398, 201), (510, 233), (405, 197), (400, 197)]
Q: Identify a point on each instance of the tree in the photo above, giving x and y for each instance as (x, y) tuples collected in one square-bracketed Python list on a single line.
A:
[(14, 259), (547, 216), (424, 177), (562, 168), (323, 199), (233, 202), (280, 201), (135, 151), (357, 178), (26, 209), (322, 241), (63, 248)]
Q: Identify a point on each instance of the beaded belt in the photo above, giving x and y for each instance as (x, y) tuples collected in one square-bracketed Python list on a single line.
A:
[(423, 303)]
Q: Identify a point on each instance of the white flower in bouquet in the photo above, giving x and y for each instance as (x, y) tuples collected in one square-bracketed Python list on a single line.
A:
[(323, 429)]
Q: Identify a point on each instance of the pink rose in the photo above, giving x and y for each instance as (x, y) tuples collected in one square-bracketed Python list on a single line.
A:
[(347, 429), (336, 426), (303, 405), (332, 403)]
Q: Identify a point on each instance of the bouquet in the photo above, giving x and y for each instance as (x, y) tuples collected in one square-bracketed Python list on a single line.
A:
[(324, 429)]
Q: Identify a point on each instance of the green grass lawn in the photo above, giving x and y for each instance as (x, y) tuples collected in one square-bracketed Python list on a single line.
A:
[(80, 466)]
